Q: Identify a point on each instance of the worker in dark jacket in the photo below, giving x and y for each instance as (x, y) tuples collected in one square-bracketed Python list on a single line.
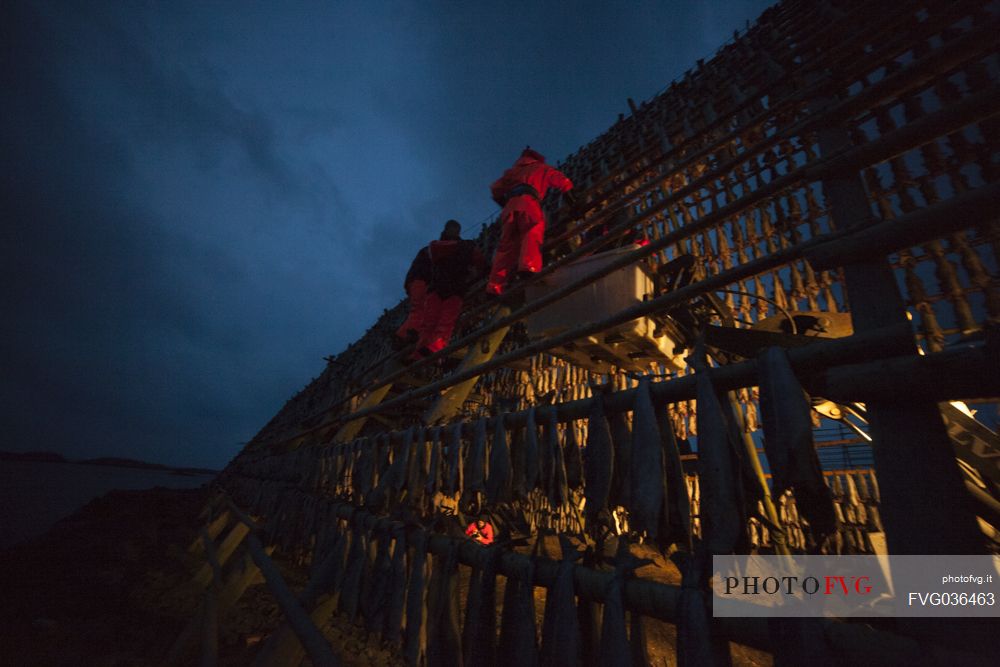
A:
[(520, 191), (417, 280), (453, 262)]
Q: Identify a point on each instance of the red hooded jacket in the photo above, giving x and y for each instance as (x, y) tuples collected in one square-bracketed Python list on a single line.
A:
[(530, 169)]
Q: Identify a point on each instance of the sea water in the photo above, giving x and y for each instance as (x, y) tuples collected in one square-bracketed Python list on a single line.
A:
[(34, 495)]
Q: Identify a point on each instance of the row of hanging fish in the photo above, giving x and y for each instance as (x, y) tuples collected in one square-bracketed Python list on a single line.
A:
[(628, 473), (381, 576)]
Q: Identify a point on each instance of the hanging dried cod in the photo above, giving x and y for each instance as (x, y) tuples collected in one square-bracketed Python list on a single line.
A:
[(723, 516), (598, 461), (479, 632), (498, 482), (647, 475), (475, 468), (561, 641), (788, 442), (415, 640)]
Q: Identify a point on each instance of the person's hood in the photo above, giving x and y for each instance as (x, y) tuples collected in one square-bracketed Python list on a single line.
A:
[(529, 155)]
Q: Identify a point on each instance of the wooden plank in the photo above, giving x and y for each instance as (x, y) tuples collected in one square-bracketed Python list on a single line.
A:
[(351, 429), (225, 550), (214, 529), (450, 402), (244, 575)]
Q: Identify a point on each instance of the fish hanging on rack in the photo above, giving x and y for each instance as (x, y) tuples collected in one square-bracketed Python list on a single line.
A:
[(479, 632), (351, 589), (364, 470), (383, 454), (723, 514), (561, 641), (590, 627), (380, 453), (676, 516), (375, 583), (788, 442), (401, 460), (329, 575), (647, 477), (621, 438), (519, 488), (393, 474), (697, 644), (615, 648), (415, 636), (573, 457), (530, 451), (444, 639), (475, 466), (498, 482), (598, 461), (453, 471), (517, 626), (638, 646), (392, 631), (416, 468), (558, 487), (327, 537), (546, 454), (434, 464)]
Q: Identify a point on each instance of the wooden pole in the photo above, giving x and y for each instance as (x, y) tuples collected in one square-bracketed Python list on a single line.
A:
[(312, 640)]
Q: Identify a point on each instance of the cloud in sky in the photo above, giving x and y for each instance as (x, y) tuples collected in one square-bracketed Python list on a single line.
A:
[(202, 200)]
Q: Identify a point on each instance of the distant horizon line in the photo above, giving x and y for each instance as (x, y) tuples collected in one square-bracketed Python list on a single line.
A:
[(111, 461)]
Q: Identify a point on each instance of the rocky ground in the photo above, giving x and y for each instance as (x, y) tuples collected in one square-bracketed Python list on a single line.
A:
[(111, 586), (105, 586)]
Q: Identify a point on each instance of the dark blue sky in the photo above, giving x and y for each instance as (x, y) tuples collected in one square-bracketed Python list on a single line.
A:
[(202, 200)]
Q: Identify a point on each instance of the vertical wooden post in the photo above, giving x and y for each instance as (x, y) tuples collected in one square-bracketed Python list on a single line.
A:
[(925, 508)]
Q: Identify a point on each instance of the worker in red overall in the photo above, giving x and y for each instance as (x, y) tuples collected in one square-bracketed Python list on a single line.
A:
[(453, 263), (481, 531), (415, 284), (520, 191)]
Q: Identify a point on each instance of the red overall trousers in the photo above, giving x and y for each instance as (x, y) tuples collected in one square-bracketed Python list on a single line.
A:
[(522, 219)]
